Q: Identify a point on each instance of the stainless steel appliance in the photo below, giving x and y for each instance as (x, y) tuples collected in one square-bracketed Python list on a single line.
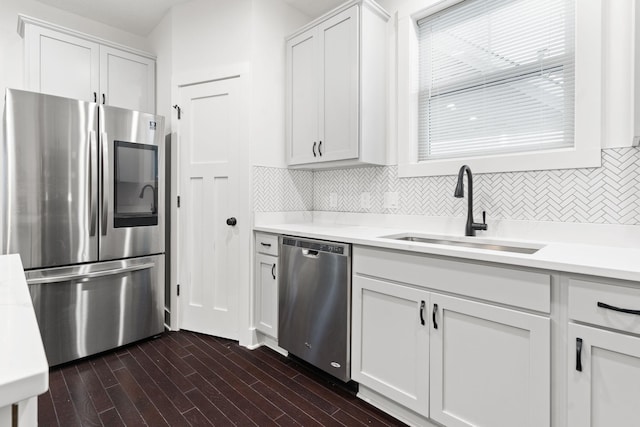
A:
[(83, 204), (314, 303)]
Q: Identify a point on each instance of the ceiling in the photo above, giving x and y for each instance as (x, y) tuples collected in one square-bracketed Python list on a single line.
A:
[(142, 16)]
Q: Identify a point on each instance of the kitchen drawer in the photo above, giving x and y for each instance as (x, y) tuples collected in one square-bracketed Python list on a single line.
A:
[(584, 297), (519, 288), (267, 244)]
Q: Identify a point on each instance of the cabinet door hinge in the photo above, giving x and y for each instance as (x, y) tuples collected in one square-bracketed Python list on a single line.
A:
[(178, 287), (178, 201)]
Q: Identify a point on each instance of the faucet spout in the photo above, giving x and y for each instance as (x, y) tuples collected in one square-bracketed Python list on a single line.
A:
[(153, 190), (471, 226)]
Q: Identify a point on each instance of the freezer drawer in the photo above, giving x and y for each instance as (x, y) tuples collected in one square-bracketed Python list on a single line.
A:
[(87, 309)]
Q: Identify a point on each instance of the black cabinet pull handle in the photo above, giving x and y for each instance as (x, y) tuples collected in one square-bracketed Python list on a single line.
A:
[(621, 310), (267, 245), (104, 99), (95, 97), (231, 221), (320, 148), (422, 312), (314, 149), (273, 271), (579, 354), (435, 311)]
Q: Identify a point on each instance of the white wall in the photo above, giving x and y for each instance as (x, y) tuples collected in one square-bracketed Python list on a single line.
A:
[(272, 21), (210, 33), (160, 40)]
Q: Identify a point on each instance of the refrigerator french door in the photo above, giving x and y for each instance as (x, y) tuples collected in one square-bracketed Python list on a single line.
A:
[(132, 193), (82, 199)]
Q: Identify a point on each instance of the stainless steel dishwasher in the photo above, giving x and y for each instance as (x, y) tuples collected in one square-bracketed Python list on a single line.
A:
[(314, 303)]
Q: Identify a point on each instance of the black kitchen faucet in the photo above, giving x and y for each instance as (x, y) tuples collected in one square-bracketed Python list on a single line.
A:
[(471, 227)]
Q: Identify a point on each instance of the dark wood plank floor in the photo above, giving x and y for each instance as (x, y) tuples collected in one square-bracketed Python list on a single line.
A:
[(183, 378)]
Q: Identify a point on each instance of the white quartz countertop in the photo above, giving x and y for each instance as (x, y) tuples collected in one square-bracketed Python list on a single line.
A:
[(24, 371), (590, 259)]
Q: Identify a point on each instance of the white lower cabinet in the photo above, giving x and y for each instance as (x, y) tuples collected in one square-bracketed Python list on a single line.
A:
[(390, 341), (266, 284), (604, 378), (490, 366), (266, 295), (456, 361), (429, 357)]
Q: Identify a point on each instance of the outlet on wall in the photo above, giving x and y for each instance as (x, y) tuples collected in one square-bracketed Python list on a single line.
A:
[(365, 200), (333, 200), (390, 200)]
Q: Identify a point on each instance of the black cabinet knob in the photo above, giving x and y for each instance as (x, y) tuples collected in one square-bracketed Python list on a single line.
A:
[(232, 221)]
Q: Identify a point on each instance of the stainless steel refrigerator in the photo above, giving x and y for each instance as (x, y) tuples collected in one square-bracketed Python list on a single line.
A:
[(82, 193)]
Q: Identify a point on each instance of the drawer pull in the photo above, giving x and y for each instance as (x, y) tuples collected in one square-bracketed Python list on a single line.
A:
[(422, 304), (433, 316), (579, 354), (621, 310), (266, 245)]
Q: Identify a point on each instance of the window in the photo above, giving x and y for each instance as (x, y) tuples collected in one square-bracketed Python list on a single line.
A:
[(496, 76), (497, 84)]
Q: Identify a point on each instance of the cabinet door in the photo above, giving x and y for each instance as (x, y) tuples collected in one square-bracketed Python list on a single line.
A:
[(127, 80), (339, 77), (266, 302), (390, 341), (490, 366), (606, 391), (302, 85), (60, 64)]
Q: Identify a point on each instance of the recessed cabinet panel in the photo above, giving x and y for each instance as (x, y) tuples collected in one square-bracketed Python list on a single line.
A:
[(127, 80), (606, 390), (67, 67), (391, 341), (490, 366), (266, 302), (303, 97), (338, 120)]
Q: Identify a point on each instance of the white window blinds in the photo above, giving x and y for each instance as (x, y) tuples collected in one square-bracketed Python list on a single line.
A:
[(496, 76)]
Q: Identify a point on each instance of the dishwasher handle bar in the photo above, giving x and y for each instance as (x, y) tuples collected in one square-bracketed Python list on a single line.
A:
[(312, 248)]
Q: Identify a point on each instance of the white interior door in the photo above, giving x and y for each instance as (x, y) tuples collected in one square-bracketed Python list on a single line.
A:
[(209, 250)]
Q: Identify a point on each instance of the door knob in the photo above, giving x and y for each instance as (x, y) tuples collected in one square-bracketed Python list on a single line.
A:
[(232, 221)]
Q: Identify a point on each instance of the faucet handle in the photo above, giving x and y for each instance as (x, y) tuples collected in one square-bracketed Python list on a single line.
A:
[(484, 217)]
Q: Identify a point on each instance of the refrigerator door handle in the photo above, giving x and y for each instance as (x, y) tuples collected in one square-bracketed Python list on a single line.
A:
[(105, 180), (93, 179), (68, 277)]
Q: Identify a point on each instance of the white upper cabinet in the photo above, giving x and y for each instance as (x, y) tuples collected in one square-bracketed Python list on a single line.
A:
[(63, 62), (336, 89), (127, 80)]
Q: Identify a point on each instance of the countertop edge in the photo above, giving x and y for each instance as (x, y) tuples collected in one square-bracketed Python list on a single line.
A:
[(554, 261)]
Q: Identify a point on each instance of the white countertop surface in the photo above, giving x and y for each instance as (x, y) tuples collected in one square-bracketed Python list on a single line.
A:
[(24, 371), (590, 259)]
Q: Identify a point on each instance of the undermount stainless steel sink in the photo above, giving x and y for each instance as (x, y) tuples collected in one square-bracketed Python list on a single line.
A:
[(477, 245)]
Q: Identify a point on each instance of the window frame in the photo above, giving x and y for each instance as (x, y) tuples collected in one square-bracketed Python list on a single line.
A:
[(588, 101)]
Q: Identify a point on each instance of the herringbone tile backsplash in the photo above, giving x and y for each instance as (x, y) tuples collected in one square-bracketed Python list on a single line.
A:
[(607, 195)]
